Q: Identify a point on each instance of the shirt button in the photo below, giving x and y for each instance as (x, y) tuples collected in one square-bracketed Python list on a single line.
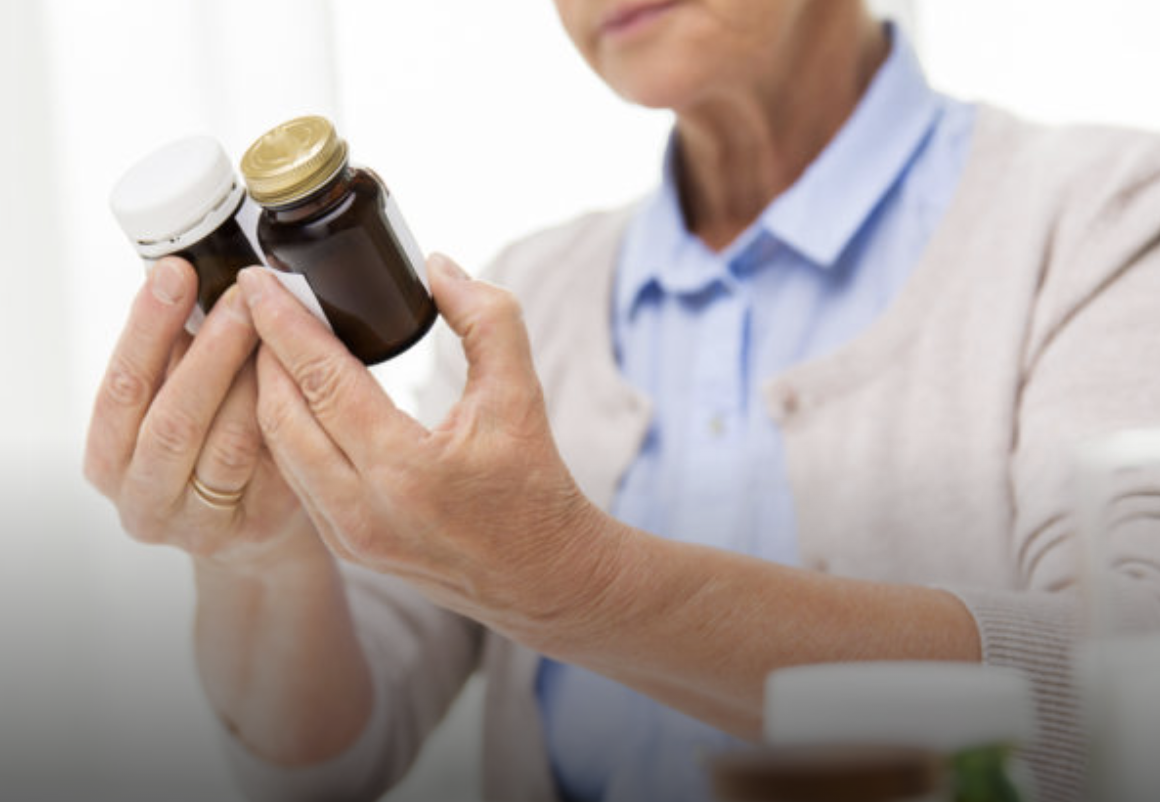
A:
[(717, 425)]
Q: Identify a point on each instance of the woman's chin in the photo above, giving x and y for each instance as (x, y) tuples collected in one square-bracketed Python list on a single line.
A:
[(653, 89)]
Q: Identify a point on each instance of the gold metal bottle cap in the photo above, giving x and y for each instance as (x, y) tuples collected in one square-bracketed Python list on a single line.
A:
[(292, 160)]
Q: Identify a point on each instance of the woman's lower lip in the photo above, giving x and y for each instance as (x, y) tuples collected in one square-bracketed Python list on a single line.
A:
[(637, 21)]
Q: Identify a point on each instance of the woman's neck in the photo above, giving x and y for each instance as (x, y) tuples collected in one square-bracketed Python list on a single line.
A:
[(740, 148)]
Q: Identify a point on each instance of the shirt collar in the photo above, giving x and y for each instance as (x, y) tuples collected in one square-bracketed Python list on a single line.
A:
[(826, 207)]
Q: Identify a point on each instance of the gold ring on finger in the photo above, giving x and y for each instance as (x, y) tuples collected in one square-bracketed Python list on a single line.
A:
[(218, 499)]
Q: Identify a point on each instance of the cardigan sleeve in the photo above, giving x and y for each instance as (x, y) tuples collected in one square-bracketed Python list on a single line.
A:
[(1091, 368), (420, 657)]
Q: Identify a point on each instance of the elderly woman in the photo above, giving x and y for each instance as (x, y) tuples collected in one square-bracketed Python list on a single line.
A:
[(808, 402)]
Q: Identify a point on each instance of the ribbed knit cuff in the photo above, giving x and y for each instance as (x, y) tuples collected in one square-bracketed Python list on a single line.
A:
[(1037, 634)]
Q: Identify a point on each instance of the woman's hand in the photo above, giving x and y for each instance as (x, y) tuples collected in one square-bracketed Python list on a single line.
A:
[(480, 513), (174, 439), (175, 443)]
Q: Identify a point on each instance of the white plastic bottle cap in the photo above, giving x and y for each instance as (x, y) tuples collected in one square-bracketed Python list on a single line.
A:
[(927, 705), (176, 196)]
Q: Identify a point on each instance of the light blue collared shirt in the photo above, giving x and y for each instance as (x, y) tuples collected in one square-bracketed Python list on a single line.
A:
[(700, 332)]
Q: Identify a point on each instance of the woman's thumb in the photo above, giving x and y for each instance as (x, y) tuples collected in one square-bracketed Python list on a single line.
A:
[(490, 324)]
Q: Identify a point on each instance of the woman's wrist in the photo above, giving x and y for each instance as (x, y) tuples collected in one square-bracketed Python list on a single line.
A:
[(589, 578), (296, 555)]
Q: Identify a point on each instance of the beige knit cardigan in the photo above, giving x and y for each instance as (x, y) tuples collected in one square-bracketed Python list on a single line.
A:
[(931, 450)]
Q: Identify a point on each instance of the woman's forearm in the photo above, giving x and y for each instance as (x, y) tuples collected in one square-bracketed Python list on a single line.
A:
[(699, 628), (481, 515), (279, 658)]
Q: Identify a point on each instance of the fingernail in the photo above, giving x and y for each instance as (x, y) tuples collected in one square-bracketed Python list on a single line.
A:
[(234, 304), (166, 281), (439, 263), (250, 280)]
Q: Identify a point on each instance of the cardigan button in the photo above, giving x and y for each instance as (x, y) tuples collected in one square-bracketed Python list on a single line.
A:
[(788, 402), (782, 401)]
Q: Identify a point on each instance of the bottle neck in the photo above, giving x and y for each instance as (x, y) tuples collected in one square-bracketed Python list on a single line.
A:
[(320, 200)]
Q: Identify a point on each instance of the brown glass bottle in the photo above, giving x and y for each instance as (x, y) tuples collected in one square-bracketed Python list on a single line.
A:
[(339, 228), (218, 258), (339, 238), (820, 773)]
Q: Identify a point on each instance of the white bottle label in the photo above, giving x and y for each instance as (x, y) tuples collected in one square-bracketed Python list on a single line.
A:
[(406, 240), (299, 287), (248, 216), (295, 283)]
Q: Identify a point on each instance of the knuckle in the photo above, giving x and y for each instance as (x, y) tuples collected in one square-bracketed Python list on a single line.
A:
[(233, 446), (502, 304), (97, 473), (321, 380), (273, 416), (125, 385), (140, 525), (173, 433), (100, 477)]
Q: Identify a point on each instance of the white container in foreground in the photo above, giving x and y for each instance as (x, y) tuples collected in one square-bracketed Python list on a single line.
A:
[(943, 706)]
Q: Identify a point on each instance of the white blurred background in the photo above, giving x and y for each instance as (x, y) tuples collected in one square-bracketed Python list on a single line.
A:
[(484, 123)]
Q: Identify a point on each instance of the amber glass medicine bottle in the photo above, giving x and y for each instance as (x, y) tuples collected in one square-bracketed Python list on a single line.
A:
[(340, 228), (185, 200)]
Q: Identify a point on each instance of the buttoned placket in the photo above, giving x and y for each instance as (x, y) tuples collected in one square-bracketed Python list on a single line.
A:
[(718, 409)]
